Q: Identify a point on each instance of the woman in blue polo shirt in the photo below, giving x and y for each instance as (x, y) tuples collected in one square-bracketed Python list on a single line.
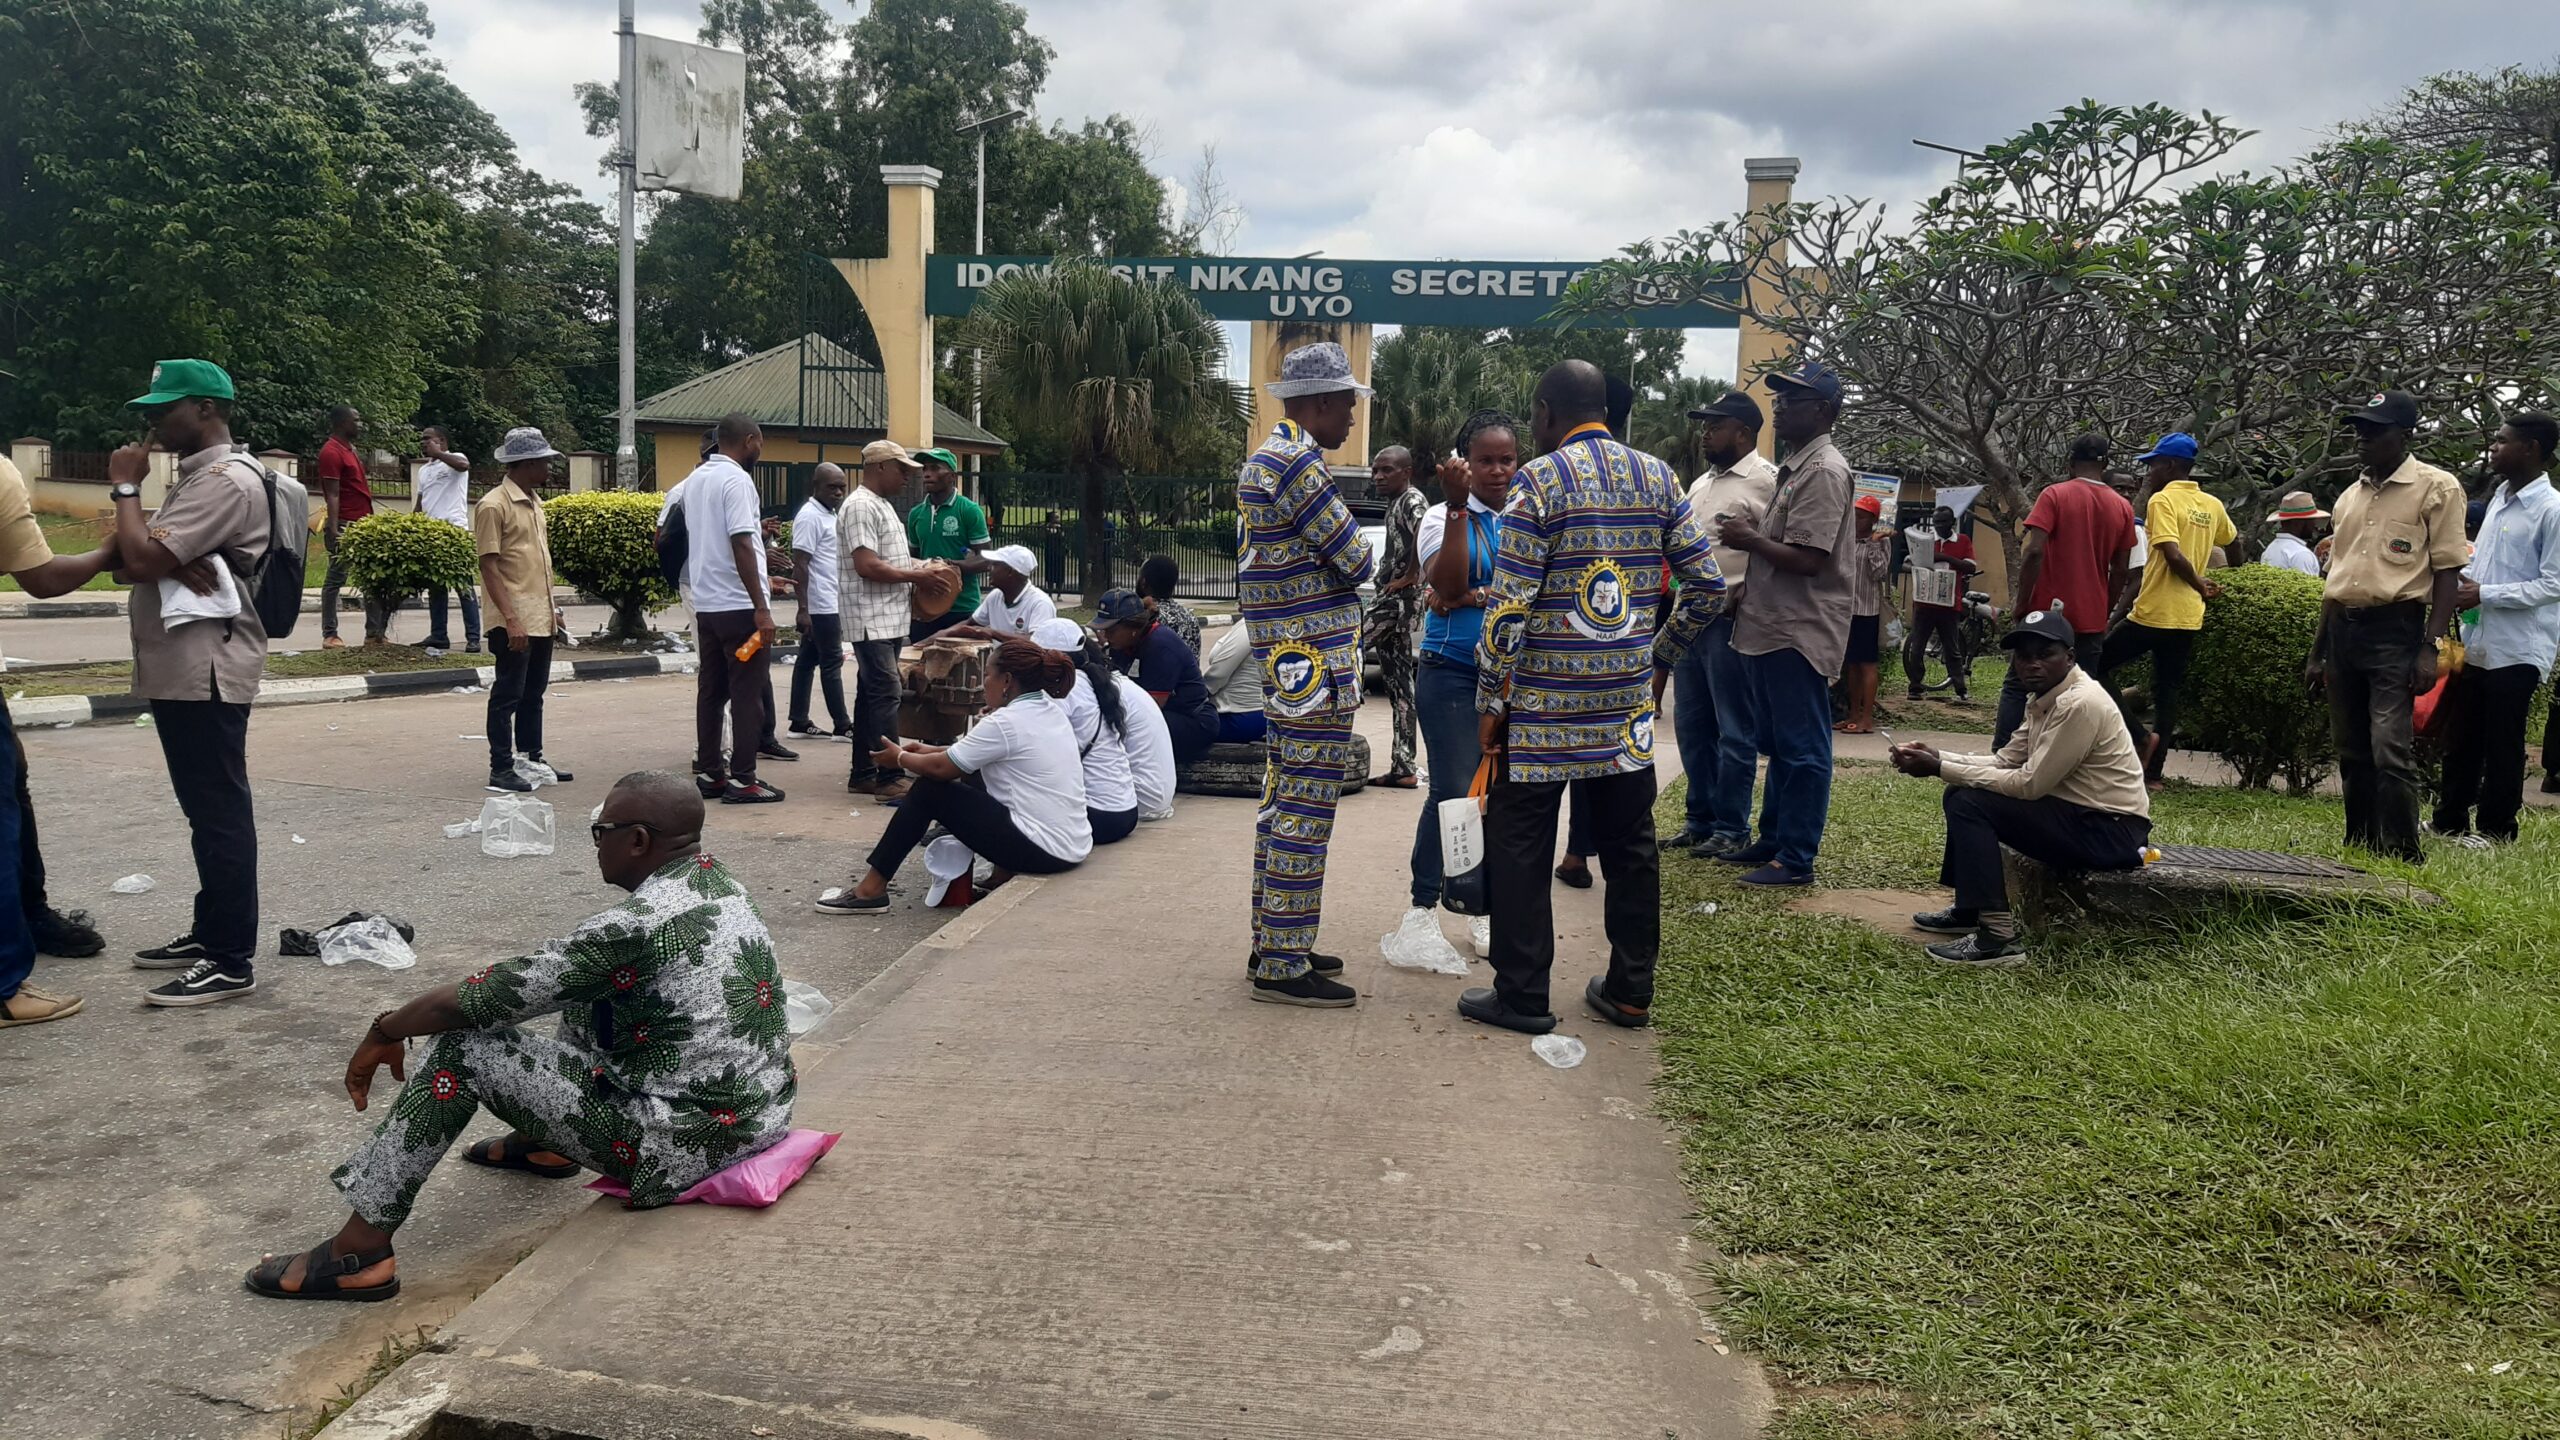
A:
[(1456, 545)]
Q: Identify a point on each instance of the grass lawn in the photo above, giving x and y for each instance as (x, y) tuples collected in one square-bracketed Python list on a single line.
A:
[(68, 536), (115, 677), (2255, 1178)]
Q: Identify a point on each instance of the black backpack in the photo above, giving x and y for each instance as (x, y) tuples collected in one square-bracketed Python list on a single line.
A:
[(274, 579), (672, 545)]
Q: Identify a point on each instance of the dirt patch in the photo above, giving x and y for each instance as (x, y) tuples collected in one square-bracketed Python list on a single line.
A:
[(1887, 912)]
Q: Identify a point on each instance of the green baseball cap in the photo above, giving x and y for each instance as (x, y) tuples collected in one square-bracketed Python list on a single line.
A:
[(948, 460), (173, 380)]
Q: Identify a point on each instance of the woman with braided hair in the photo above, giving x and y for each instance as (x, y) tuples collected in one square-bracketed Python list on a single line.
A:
[(1030, 818)]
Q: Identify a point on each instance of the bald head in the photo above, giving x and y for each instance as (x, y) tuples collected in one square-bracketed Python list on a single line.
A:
[(1571, 393), (1391, 470), (651, 817), (827, 486)]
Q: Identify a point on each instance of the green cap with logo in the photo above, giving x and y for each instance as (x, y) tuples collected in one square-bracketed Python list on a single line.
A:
[(175, 380), (949, 460)]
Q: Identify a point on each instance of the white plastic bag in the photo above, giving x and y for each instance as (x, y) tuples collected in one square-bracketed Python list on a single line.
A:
[(134, 885), (372, 939), (460, 828), (535, 773), (804, 1007), (1562, 1051), (513, 825), (1417, 944)]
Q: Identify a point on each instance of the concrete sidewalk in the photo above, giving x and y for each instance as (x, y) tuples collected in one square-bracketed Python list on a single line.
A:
[(1087, 1189)]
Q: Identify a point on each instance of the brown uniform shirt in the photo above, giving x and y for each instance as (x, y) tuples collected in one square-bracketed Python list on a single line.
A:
[(218, 507), (1811, 507), (2393, 534), (509, 525), (2073, 747)]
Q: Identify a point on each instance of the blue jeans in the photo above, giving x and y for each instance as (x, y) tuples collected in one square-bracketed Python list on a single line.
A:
[(1711, 721), (1791, 704), (1444, 706), (440, 638), (17, 942)]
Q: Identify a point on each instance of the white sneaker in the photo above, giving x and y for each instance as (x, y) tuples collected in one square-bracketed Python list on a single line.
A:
[(1480, 935)]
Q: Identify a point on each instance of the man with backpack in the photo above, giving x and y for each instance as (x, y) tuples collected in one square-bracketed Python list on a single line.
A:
[(199, 648)]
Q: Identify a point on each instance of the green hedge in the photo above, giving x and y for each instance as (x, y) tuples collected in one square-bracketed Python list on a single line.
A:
[(604, 543), (394, 555), (2244, 699)]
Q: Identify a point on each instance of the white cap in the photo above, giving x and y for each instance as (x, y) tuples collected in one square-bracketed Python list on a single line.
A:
[(946, 860), (1058, 633), (1016, 558)]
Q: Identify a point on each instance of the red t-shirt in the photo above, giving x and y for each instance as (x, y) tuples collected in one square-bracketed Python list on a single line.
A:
[(2087, 528), (1958, 546), (338, 462)]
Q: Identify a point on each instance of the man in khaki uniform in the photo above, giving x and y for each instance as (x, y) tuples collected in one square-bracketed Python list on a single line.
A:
[(200, 675), (513, 538), (2395, 558), (40, 572)]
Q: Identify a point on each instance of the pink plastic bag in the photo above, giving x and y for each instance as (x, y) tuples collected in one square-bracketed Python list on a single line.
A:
[(756, 1181)]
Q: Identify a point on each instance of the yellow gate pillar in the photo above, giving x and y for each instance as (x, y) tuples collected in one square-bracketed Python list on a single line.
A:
[(1271, 343), (891, 290), (1766, 182)]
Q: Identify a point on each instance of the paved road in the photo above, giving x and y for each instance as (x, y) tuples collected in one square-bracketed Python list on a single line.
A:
[(151, 1155)]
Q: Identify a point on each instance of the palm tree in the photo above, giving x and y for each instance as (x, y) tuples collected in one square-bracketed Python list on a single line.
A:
[(1119, 372), (1662, 425), (1430, 380)]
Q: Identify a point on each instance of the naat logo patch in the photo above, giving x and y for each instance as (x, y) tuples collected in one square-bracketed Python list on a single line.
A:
[(1506, 626), (1600, 607), (1637, 736), (155, 377), (1297, 672)]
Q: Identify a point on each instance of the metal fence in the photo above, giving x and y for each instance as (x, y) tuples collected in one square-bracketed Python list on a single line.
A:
[(1191, 518)]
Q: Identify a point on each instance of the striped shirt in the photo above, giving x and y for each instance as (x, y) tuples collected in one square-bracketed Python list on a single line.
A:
[(1299, 577), (1590, 536)]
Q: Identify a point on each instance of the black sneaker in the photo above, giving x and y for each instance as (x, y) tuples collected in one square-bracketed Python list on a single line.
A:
[(709, 787), (1981, 950), (1311, 990), (66, 937), (1321, 964), (473, 648), (563, 776), (204, 983), (178, 954), (750, 792), (1750, 855), (508, 779), (776, 750), (803, 730), (1950, 921)]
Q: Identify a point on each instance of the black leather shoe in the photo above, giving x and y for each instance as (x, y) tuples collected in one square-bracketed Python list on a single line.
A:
[(1311, 990), (1626, 1017), (1483, 1007)]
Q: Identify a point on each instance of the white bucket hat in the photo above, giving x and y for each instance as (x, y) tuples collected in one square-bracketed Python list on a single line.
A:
[(1318, 369)]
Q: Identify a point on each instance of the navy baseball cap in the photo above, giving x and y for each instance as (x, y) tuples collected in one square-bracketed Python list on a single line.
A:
[(1812, 376), (1120, 607), (2176, 445), (2386, 407), (2045, 624), (1731, 405)]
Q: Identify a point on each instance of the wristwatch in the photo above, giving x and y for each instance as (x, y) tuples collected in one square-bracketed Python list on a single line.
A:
[(124, 490)]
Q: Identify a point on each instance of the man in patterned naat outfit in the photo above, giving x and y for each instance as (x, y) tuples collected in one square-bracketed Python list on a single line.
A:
[(671, 1060)]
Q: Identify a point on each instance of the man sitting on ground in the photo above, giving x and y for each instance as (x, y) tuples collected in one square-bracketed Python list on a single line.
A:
[(2066, 790), (672, 1059)]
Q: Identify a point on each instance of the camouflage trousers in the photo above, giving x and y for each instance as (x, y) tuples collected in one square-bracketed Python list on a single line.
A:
[(1300, 787), (546, 1089), (1397, 666)]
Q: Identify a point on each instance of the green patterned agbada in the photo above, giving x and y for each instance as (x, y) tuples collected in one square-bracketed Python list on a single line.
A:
[(672, 1059)]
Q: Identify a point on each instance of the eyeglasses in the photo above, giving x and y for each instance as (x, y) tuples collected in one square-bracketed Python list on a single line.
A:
[(602, 828)]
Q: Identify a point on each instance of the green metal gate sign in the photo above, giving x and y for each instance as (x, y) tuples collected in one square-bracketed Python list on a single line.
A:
[(1484, 294)]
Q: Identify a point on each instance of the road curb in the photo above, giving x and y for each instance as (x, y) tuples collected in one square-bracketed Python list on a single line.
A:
[(348, 600), (60, 710)]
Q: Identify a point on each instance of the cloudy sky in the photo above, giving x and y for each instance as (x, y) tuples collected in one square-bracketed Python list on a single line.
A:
[(1504, 129)]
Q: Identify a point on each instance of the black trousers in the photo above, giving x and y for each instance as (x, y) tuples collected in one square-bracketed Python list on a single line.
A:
[(978, 818), (2372, 660), (742, 688), (1948, 627), (2057, 832), (2484, 748), (1110, 827), (515, 699), (30, 860), (1520, 845), (206, 743), (1192, 734), (875, 704), (2170, 650), (822, 661), (920, 630), (2013, 696)]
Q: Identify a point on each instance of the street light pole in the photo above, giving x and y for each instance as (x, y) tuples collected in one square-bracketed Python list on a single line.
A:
[(978, 357), (626, 450)]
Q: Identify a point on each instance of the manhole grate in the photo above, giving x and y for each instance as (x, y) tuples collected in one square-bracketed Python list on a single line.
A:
[(2257, 862)]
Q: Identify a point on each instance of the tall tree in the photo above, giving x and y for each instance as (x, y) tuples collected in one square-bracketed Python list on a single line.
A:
[(1430, 379), (1121, 372), (1662, 426)]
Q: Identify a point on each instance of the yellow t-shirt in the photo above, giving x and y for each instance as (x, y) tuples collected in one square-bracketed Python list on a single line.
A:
[(22, 542), (2195, 522)]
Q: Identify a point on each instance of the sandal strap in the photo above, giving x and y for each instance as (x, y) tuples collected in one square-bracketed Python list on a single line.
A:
[(321, 1271)]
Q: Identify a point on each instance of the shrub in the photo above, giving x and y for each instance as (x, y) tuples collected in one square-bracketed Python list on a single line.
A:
[(2244, 699), (604, 542), (395, 555)]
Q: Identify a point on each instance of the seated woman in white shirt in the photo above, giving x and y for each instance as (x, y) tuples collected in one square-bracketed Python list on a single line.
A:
[(1235, 682), (1013, 605), (1030, 819), (1099, 716)]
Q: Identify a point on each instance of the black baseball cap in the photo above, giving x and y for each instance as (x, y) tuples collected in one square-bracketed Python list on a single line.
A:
[(2385, 407), (1731, 405), (2045, 624)]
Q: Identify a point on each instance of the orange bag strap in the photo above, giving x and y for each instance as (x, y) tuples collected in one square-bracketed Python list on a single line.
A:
[(1482, 784)]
